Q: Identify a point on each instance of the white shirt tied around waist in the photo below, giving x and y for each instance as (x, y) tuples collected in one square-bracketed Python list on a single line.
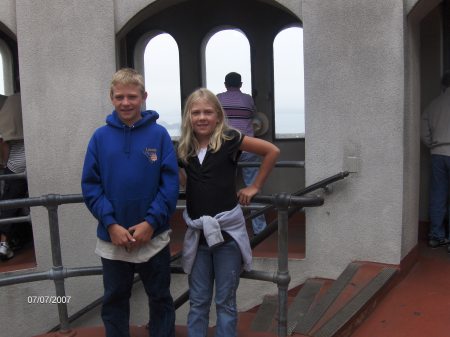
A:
[(232, 222), (139, 254)]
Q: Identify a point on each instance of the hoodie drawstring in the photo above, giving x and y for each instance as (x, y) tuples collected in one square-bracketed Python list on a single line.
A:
[(127, 139)]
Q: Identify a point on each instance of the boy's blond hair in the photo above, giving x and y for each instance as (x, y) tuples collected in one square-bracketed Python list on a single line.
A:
[(188, 145), (127, 76)]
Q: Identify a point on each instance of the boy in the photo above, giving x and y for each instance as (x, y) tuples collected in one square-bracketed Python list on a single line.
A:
[(130, 184)]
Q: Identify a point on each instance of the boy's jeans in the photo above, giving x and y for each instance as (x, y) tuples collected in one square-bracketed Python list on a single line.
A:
[(118, 281), (438, 203), (248, 175), (222, 264)]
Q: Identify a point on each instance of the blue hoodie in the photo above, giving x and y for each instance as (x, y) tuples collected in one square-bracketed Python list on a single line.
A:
[(130, 174)]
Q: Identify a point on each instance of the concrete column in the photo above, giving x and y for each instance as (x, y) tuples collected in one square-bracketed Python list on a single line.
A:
[(66, 60), (354, 90)]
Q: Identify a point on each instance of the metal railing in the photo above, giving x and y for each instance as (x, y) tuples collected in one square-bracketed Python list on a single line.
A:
[(13, 176), (284, 203)]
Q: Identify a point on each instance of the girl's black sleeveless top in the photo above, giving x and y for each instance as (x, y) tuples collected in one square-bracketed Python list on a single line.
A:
[(211, 186)]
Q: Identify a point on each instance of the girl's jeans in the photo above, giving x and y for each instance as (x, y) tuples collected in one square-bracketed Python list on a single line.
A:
[(222, 264), (249, 175)]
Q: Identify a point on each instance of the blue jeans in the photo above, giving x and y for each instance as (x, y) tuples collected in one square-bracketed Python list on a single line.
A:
[(439, 188), (118, 281), (248, 175), (222, 264)]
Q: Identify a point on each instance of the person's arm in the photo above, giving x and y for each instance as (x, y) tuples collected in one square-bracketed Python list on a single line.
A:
[(270, 153), (166, 198), (4, 153), (253, 106), (95, 199), (425, 131)]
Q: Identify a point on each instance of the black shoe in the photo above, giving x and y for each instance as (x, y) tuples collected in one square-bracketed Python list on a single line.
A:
[(434, 243)]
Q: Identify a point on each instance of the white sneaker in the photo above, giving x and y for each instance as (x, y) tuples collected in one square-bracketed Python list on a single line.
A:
[(5, 252)]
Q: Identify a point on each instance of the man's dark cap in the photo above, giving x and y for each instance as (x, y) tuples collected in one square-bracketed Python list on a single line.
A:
[(233, 80)]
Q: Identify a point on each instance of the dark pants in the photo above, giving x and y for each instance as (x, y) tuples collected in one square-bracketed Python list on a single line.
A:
[(118, 281), (439, 201), (14, 189)]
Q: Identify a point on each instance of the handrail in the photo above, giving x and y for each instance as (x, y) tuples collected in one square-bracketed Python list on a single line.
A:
[(283, 202), (320, 184), (13, 176), (281, 163)]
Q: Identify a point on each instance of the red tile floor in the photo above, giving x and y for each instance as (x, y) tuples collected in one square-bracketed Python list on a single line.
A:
[(417, 306)]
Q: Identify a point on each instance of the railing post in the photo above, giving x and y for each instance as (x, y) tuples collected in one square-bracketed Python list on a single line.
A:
[(283, 278), (52, 208)]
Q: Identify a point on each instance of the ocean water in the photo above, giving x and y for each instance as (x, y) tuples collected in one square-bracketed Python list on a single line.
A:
[(288, 124)]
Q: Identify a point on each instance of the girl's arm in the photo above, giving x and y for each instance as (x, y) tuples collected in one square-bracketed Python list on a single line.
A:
[(270, 153)]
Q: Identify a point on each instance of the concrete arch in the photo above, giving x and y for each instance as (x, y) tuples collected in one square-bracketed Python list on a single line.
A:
[(8, 22), (141, 45), (128, 15), (420, 6)]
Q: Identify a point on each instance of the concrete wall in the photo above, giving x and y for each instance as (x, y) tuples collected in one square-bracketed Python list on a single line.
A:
[(66, 58)]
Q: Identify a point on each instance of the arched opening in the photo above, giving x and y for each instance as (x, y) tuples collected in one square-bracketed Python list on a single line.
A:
[(16, 237), (2, 83), (226, 51), (289, 98), (6, 70), (157, 58)]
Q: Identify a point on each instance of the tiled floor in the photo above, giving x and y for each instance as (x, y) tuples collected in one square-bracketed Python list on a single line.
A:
[(419, 305), (23, 259)]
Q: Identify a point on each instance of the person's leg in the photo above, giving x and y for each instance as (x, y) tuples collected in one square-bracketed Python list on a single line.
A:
[(117, 281), (201, 281), (227, 269), (447, 166), (14, 189), (438, 197), (155, 275), (248, 175)]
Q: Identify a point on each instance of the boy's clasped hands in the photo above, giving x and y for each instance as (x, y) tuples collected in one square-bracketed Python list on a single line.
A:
[(131, 237)]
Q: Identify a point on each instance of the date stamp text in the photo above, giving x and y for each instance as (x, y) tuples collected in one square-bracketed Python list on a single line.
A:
[(48, 299)]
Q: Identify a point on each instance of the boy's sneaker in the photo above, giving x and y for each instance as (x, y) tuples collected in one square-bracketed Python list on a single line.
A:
[(5, 252), (434, 243)]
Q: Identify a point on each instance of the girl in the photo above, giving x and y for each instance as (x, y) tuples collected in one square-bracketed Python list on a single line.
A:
[(216, 243)]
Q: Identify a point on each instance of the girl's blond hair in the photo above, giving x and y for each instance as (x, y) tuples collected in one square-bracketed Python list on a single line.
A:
[(188, 145)]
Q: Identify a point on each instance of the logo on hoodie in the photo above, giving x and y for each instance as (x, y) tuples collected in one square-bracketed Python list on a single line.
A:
[(151, 154)]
